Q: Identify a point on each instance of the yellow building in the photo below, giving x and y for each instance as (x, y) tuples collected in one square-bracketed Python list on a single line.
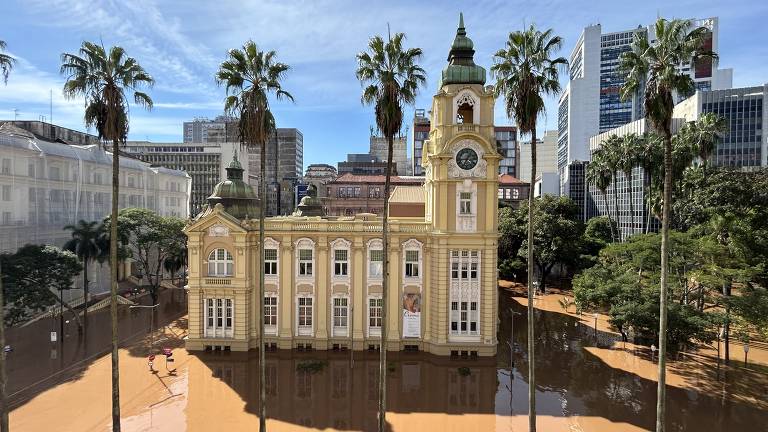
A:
[(323, 274)]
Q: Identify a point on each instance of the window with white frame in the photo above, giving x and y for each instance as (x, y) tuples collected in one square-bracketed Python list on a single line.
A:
[(412, 263), (304, 315), (341, 262), (270, 312), (374, 316), (375, 261), (465, 293), (220, 263), (501, 193), (465, 203), (305, 262), (270, 262), (219, 317), (340, 315)]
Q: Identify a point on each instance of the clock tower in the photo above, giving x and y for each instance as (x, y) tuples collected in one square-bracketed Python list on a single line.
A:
[(461, 165)]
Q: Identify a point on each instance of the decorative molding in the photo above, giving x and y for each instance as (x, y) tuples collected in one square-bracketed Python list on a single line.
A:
[(469, 97), (218, 230), (481, 168)]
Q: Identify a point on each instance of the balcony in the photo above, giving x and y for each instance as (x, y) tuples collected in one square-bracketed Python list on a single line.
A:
[(218, 281)]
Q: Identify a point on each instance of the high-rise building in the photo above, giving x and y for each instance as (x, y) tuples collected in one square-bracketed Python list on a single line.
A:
[(420, 134), (546, 156), (379, 148), (201, 130), (364, 164), (284, 168), (205, 163)]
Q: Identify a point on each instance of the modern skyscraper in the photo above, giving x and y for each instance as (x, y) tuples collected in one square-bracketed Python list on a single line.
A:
[(285, 166), (219, 130), (379, 148), (420, 134), (546, 157)]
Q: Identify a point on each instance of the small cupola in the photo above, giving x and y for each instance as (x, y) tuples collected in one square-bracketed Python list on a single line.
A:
[(461, 67), (234, 194)]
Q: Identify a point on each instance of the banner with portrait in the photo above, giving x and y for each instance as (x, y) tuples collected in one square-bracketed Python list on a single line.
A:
[(411, 315)]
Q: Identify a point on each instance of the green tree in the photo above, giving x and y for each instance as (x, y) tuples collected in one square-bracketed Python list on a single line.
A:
[(86, 245), (105, 79), (703, 135), (391, 77), (149, 239), (525, 71), (655, 68), (631, 146), (610, 152), (512, 234), (650, 159), (599, 175), (6, 63), (175, 261), (250, 77)]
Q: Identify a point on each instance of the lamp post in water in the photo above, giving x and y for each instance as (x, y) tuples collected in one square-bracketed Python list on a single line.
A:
[(653, 353), (151, 322), (746, 351)]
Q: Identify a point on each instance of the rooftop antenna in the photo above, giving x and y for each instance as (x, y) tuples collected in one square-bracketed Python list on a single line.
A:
[(15, 114), (51, 107)]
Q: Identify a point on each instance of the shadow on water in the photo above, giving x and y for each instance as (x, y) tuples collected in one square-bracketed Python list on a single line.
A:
[(36, 364)]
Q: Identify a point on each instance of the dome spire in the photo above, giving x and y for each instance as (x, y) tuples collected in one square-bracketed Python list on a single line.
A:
[(461, 67)]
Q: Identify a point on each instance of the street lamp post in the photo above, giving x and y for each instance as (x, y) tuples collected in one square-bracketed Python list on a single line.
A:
[(595, 315), (653, 353), (511, 341), (746, 351), (151, 322)]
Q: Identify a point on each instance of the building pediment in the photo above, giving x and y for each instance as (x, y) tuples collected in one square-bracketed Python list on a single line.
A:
[(216, 223)]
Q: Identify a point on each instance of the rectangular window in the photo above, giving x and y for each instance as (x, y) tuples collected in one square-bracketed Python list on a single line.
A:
[(305, 312), (31, 170), (340, 265), (412, 264), (305, 262), (376, 266), (218, 317), (270, 261), (6, 166), (340, 312), (501, 193), (465, 203), (464, 312), (6, 193), (374, 313), (270, 311)]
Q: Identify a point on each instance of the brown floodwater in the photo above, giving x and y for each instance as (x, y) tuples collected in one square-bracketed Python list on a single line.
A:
[(587, 380)]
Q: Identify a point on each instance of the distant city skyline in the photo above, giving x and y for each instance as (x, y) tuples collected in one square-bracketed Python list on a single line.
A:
[(182, 44)]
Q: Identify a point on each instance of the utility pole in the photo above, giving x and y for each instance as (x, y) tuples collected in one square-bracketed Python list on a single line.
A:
[(3, 406)]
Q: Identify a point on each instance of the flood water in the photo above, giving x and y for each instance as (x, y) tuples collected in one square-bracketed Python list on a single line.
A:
[(585, 382)]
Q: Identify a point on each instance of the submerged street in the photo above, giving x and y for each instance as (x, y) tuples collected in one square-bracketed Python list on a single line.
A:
[(588, 380)]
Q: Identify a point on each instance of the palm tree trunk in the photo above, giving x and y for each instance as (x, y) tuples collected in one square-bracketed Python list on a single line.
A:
[(608, 213), (631, 203), (3, 406), (262, 355), (384, 293), (647, 190), (113, 285), (662, 390), (616, 207), (531, 346), (85, 297)]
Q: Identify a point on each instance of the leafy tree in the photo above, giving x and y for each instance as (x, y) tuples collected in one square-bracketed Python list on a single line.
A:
[(599, 175), (629, 158), (391, 77), (175, 261), (150, 239), (703, 135), (86, 244), (655, 68), (6, 62), (526, 70), (32, 278), (105, 79), (597, 235), (609, 154), (512, 234), (251, 76)]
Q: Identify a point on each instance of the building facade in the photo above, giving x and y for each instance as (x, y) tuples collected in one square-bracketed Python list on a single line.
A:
[(51, 132), (202, 130), (506, 145), (350, 194), (512, 191), (420, 134), (379, 149), (319, 175), (284, 169), (365, 164), (546, 156), (323, 275)]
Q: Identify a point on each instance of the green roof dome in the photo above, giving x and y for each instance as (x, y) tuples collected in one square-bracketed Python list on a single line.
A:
[(234, 194), (461, 67)]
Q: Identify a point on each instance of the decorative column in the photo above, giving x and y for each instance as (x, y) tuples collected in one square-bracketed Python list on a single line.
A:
[(286, 293), (357, 291), (322, 291), (394, 300)]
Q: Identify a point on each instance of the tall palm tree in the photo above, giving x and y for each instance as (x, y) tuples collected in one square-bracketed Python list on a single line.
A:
[(250, 77), (391, 77), (599, 175), (656, 68), (6, 62), (106, 79), (650, 158), (703, 136), (86, 245), (525, 70), (631, 146), (611, 151)]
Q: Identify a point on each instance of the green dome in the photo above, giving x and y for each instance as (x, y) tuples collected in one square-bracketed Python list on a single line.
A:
[(461, 67), (234, 194)]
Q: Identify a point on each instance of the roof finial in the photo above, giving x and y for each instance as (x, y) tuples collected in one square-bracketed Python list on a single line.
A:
[(235, 157), (461, 20)]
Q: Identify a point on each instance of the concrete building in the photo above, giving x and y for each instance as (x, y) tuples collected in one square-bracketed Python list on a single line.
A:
[(546, 156), (546, 184), (204, 162), (46, 185), (323, 275), (365, 164), (319, 175), (285, 166), (379, 149), (55, 133), (201, 130), (512, 191), (350, 194), (420, 134)]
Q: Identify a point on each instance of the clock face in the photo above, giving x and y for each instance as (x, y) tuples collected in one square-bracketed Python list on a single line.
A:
[(466, 158)]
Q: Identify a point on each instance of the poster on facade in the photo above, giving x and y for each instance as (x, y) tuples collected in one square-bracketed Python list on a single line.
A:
[(411, 315)]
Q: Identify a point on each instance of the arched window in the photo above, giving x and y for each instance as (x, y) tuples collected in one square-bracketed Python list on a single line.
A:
[(220, 263), (465, 108)]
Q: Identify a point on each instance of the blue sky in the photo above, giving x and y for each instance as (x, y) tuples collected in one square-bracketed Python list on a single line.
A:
[(181, 42)]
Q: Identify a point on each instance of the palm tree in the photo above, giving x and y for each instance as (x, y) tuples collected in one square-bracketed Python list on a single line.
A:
[(524, 71), (650, 158), (175, 261), (6, 62), (250, 77), (611, 151), (391, 77), (703, 136), (631, 145), (86, 245), (599, 175), (656, 68), (105, 79)]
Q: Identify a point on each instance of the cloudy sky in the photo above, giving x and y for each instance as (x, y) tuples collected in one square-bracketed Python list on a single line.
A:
[(181, 42)]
